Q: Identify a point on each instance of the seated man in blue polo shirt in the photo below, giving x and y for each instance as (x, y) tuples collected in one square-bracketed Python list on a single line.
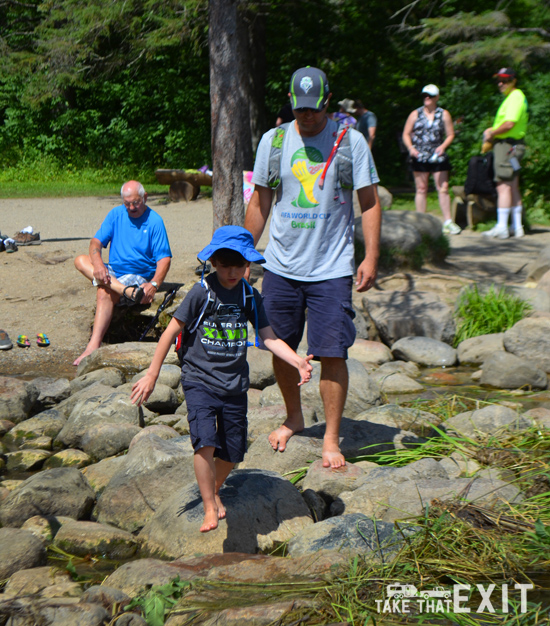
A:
[(139, 259)]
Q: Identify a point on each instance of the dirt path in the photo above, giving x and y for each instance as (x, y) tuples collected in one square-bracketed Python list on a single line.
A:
[(40, 290)]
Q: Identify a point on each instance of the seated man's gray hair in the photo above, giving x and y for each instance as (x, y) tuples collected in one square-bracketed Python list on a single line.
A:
[(141, 191)]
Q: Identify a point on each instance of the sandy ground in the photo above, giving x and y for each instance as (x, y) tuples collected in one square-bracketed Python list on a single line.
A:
[(40, 290)]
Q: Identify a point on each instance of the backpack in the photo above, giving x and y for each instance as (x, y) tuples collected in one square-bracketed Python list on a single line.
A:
[(479, 179), (341, 151), (208, 308)]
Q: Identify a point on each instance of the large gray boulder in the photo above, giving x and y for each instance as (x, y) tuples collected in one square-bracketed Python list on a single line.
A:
[(130, 358), (306, 446), (19, 549), (152, 470), (51, 391), (260, 363), (169, 375), (475, 350), (263, 511), (17, 398), (109, 376), (55, 612), (494, 420), (61, 491), (101, 540), (424, 351), (530, 340), (95, 390), (398, 314), (397, 383), (370, 352), (507, 371), (351, 534), (104, 440), (114, 408)]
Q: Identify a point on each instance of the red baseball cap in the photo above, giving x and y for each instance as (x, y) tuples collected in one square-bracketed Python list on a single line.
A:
[(505, 72)]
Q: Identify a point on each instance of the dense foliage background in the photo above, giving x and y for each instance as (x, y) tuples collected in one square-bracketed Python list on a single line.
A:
[(125, 84)]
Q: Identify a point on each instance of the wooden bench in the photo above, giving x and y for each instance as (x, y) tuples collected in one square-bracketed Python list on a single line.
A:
[(183, 185), (472, 209)]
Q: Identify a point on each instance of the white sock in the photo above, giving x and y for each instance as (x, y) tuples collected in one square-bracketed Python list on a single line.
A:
[(503, 215), (447, 222), (517, 212)]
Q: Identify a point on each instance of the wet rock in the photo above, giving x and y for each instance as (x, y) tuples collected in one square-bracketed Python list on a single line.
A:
[(107, 597), (99, 474), (397, 383), (529, 339), (263, 420), (55, 611), (46, 527), (51, 391), (17, 398), (114, 408), (371, 352), (493, 420), (169, 375), (68, 458), (48, 423), (329, 483), (105, 440), (164, 432), (399, 314), (62, 491), (82, 538), (349, 535), (395, 416), (475, 350), (260, 363), (19, 549), (27, 582), (263, 511), (129, 358), (26, 460), (507, 371), (109, 376), (424, 351), (151, 472)]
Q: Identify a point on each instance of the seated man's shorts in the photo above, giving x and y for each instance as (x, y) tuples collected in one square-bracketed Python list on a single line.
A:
[(330, 328), (127, 280), (503, 151), (217, 421)]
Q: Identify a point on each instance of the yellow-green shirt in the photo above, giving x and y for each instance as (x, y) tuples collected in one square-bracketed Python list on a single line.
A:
[(513, 109)]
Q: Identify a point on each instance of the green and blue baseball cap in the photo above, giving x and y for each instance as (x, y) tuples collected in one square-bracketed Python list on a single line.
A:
[(309, 89), (234, 238)]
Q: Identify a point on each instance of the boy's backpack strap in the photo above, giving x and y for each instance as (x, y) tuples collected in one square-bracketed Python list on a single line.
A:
[(275, 156), (249, 307), (206, 308)]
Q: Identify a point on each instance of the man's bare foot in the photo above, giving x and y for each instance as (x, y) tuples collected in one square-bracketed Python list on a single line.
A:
[(210, 521), (221, 508), (86, 352), (280, 436), (332, 457)]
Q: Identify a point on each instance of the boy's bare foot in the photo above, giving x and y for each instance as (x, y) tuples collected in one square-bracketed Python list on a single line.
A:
[(210, 521), (280, 436), (332, 457), (221, 508)]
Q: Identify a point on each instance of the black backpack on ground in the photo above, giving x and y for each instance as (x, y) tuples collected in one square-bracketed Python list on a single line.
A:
[(479, 179)]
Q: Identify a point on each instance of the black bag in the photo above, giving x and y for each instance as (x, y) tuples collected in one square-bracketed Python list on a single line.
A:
[(479, 179)]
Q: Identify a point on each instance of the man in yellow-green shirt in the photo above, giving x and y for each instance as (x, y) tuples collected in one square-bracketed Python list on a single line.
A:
[(507, 134)]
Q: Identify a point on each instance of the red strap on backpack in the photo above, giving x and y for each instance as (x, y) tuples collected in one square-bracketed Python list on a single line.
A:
[(331, 156)]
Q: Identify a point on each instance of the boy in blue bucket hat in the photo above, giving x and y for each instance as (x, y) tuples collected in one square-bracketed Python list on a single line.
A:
[(213, 319)]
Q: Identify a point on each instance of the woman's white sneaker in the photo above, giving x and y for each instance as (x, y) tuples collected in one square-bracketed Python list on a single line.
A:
[(496, 233)]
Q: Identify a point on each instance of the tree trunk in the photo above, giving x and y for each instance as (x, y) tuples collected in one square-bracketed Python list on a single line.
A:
[(231, 137), (257, 76)]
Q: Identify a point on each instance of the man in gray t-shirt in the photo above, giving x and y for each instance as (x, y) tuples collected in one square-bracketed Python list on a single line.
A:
[(310, 255)]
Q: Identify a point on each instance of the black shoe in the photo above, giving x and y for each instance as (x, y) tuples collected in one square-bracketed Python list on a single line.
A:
[(10, 246)]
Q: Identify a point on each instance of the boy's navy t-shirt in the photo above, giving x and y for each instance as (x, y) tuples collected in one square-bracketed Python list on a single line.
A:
[(215, 354)]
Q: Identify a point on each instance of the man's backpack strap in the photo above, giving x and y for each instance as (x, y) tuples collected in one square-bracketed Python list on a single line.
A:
[(275, 156), (344, 163)]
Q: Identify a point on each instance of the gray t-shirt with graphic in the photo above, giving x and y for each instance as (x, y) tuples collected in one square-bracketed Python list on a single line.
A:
[(311, 230)]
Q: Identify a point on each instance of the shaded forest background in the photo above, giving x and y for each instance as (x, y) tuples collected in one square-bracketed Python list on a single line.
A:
[(122, 87)]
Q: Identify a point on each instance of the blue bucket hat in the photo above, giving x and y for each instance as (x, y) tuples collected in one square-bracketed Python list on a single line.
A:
[(234, 238)]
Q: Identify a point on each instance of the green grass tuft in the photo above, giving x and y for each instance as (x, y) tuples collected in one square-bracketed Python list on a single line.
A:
[(492, 312)]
